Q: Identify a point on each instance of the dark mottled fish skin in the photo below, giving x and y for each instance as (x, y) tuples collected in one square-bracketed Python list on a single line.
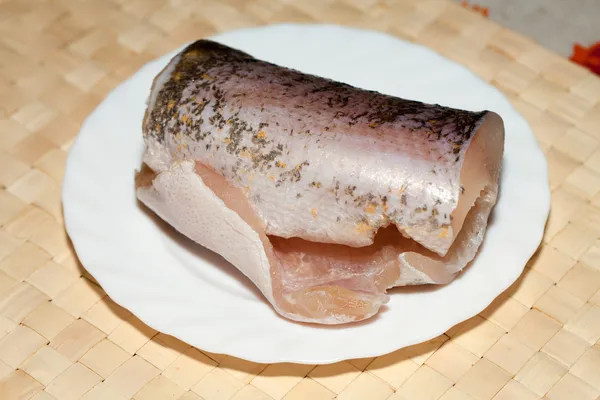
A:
[(318, 159)]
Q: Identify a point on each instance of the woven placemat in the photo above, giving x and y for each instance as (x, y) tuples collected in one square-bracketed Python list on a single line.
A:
[(61, 337)]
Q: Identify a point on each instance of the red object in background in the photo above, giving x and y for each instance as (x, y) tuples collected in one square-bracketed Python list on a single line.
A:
[(587, 57), (477, 8)]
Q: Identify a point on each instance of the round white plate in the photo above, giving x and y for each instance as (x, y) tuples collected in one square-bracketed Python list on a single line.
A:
[(181, 289)]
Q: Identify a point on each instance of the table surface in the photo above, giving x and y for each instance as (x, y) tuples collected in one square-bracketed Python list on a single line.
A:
[(62, 337)]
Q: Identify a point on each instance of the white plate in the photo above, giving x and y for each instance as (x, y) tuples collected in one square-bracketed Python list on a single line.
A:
[(183, 290)]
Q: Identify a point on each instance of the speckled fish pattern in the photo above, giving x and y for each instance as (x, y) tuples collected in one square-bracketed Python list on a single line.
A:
[(317, 159)]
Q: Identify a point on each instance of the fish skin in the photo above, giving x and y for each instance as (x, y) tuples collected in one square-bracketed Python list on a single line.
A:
[(319, 160)]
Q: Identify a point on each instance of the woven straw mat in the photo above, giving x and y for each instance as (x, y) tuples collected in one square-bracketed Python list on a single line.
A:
[(61, 337)]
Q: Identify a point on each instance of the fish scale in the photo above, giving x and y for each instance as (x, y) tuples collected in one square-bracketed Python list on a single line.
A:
[(247, 118)]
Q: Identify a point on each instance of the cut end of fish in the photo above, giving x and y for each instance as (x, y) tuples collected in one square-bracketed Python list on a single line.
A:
[(479, 172)]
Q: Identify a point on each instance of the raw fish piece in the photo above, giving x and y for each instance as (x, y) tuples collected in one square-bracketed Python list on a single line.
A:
[(323, 194)]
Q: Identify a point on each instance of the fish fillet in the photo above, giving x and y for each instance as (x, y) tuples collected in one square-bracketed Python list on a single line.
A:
[(323, 194)]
